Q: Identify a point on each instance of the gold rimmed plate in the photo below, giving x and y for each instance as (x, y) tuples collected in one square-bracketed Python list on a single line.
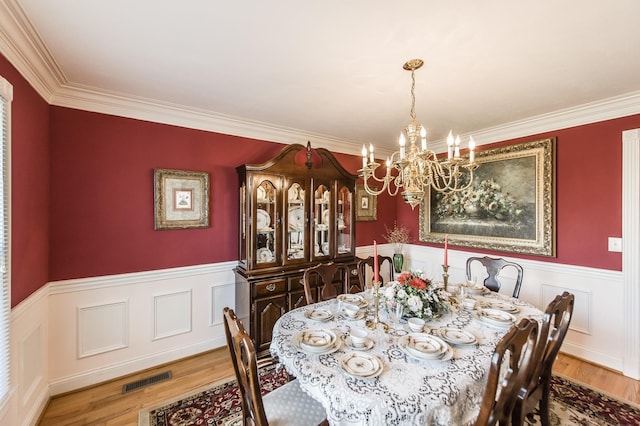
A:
[(361, 365), (322, 315)]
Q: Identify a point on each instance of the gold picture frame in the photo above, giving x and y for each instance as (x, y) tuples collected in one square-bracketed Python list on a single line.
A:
[(181, 199), (366, 204), (509, 207)]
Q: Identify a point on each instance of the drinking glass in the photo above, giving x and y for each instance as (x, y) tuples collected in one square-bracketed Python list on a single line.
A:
[(396, 312)]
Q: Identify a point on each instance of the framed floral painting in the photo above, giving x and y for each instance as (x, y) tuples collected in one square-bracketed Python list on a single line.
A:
[(510, 205), (181, 199)]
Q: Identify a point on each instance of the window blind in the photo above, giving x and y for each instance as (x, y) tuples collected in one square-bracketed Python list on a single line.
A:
[(6, 96)]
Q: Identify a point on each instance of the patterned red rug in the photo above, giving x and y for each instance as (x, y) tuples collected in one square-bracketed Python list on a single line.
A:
[(219, 404)]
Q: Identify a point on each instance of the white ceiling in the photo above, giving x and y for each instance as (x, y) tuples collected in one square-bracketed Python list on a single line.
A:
[(333, 69)]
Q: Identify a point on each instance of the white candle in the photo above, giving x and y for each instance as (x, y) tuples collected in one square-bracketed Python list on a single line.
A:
[(401, 141), (423, 135), (364, 156), (457, 151), (371, 152), (450, 145), (472, 147)]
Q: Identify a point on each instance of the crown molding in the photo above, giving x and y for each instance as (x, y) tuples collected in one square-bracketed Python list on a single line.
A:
[(22, 46)]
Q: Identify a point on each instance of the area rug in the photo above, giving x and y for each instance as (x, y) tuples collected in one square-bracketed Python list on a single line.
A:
[(219, 404)]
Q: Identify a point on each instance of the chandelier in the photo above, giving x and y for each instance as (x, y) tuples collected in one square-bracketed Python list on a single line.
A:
[(417, 168)]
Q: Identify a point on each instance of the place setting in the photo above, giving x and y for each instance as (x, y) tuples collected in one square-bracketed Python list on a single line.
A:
[(321, 315), (425, 347), (316, 342), (495, 318), (499, 305), (361, 365), (352, 299)]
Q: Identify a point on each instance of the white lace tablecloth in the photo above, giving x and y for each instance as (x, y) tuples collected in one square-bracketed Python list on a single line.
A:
[(408, 392)]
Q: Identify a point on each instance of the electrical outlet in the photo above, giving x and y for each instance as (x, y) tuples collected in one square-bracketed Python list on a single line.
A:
[(615, 244)]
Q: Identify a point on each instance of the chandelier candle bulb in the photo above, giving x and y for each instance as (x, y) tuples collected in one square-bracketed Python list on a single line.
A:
[(472, 147), (450, 145), (364, 157), (371, 153), (423, 135), (457, 151), (402, 141)]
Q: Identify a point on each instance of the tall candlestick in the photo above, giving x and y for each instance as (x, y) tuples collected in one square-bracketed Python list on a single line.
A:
[(376, 275), (446, 249)]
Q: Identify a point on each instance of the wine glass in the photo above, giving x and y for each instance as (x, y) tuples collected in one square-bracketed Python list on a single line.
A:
[(396, 312)]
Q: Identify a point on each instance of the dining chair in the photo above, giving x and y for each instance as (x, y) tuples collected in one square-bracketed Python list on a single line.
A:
[(494, 266), (516, 351), (286, 405), (322, 278), (365, 267), (536, 389)]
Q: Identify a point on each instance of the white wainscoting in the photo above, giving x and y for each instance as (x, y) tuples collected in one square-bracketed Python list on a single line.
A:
[(75, 333)]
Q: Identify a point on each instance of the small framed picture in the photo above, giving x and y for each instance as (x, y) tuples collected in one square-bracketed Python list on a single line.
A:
[(366, 204), (181, 199)]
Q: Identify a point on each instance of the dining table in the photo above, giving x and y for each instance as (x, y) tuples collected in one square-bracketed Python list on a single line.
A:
[(393, 379)]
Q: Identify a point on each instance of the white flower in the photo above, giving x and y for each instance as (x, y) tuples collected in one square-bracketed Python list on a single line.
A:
[(390, 292), (401, 294), (415, 303)]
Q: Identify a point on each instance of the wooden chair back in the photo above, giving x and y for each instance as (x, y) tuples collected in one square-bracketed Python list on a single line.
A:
[(536, 389), (327, 280), (365, 268), (245, 365), (493, 267), (500, 394)]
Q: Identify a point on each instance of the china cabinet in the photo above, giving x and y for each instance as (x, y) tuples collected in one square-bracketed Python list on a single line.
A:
[(296, 210)]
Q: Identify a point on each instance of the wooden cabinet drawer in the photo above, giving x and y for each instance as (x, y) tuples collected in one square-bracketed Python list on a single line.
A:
[(295, 283), (270, 287)]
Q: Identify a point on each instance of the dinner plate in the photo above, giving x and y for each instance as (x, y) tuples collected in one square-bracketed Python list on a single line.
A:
[(296, 217), (361, 365), (495, 317), (325, 217), (368, 345), (317, 340), (446, 356), (263, 220), (354, 299), (499, 305), (478, 289), (423, 346), (295, 342), (264, 255), (293, 193), (322, 315), (456, 336)]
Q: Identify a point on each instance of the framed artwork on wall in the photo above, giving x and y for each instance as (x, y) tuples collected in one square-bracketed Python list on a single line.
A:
[(366, 204), (181, 199), (510, 206)]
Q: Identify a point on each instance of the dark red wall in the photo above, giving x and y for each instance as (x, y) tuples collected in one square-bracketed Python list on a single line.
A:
[(30, 186), (588, 193)]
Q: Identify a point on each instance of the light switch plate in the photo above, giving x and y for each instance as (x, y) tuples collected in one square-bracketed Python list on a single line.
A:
[(615, 244)]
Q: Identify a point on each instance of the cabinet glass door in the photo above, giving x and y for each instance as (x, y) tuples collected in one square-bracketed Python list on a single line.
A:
[(321, 222), (296, 223), (266, 223), (343, 220)]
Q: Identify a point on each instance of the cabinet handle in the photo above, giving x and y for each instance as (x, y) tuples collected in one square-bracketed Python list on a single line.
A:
[(271, 287)]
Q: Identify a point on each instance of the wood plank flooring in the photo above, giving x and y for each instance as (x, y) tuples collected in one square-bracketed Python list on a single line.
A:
[(105, 405)]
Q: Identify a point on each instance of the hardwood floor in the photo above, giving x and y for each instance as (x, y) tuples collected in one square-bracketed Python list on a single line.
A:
[(105, 405)]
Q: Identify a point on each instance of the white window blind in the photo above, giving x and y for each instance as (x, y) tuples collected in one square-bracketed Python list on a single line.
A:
[(6, 96)]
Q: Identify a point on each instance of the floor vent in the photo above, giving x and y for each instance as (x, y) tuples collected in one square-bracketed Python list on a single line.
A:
[(147, 381)]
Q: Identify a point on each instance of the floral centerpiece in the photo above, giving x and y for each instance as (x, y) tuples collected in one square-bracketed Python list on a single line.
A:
[(419, 295)]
